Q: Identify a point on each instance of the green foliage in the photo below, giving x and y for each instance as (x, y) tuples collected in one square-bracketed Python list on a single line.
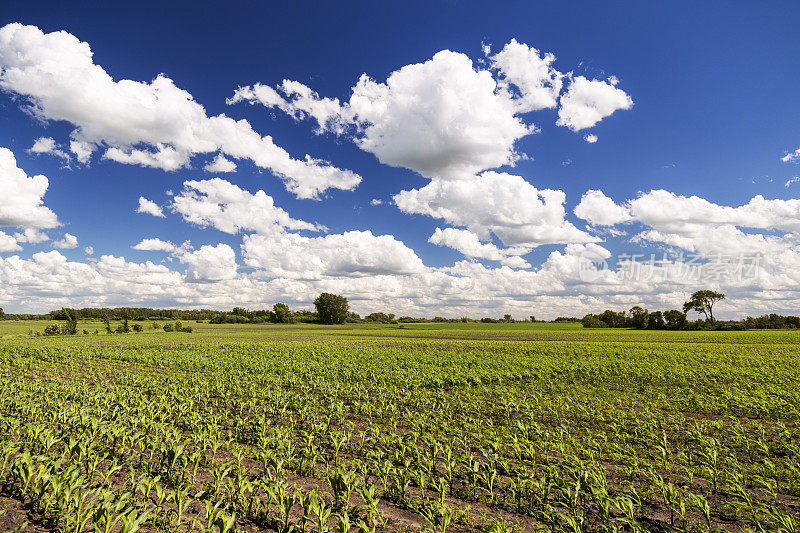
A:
[(51, 330), (674, 319), (381, 318), (638, 317), (592, 321), (71, 326), (331, 308), (703, 303), (655, 320), (282, 314), (773, 321)]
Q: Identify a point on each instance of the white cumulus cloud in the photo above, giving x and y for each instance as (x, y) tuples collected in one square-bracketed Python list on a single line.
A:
[(221, 204), (47, 145), (527, 77), (597, 208), (441, 118), (499, 203), (153, 124), (669, 212), (149, 207), (21, 203), (448, 118), (587, 102), (351, 254), (470, 245), (8, 243), (754, 244), (31, 235), (210, 263), (220, 164), (155, 244), (68, 242)]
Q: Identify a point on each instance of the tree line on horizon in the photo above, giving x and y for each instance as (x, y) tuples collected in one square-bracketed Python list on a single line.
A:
[(334, 309), (701, 302), (328, 309)]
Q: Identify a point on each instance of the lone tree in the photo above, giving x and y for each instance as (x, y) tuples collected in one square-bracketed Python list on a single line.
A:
[(703, 302), (331, 308), (282, 313)]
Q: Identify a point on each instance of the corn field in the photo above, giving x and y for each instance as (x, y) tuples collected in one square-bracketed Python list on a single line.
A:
[(436, 428)]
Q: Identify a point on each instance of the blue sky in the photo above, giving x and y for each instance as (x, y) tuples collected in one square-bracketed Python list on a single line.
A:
[(695, 101)]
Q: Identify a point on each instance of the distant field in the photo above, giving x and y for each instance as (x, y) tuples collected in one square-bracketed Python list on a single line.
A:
[(458, 427), (519, 331)]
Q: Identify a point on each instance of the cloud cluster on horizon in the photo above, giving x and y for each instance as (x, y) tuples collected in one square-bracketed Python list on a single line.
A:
[(450, 119)]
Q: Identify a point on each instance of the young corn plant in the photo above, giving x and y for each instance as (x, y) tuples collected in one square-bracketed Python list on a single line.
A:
[(284, 499), (368, 493), (308, 502), (437, 515), (785, 522), (133, 520), (321, 515), (343, 483), (343, 524), (699, 502), (225, 523), (109, 513)]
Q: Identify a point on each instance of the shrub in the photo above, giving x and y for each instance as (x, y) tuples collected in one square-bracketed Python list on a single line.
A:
[(382, 318), (729, 326), (167, 327), (591, 321), (71, 326)]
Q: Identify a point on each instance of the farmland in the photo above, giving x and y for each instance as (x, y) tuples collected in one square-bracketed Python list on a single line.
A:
[(443, 427)]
